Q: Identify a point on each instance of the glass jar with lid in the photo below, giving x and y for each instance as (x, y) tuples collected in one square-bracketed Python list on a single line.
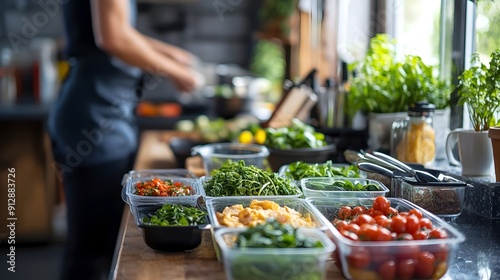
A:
[(413, 139)]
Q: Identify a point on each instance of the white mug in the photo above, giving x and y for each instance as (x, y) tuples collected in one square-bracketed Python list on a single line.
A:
[(474, 151)]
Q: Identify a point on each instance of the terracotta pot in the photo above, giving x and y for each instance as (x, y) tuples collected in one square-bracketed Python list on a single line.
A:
[(494, 135)]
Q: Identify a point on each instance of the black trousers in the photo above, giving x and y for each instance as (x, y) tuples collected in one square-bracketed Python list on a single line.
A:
[(94, 211)]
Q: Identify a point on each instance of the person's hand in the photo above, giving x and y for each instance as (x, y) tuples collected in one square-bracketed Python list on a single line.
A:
[(186, 79)]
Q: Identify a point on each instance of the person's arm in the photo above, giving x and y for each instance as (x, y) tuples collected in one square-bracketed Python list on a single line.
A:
[(114, 34), (172, 51)]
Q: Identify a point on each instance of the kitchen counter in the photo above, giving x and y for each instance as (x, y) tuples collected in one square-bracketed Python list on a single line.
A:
[(477, 258)]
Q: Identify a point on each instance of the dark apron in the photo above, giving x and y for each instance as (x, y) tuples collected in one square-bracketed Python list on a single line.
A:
[(93, 120)]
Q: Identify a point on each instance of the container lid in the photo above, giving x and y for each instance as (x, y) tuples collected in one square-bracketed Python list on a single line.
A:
[(422, 106)]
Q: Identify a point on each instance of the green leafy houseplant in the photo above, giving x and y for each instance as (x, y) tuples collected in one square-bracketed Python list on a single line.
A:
[(384, 84), (479, 89)]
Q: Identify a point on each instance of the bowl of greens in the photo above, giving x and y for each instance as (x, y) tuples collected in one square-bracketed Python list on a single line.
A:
[(237, 179), (298, 141), (172, 227), (342, 187), (274, 250)]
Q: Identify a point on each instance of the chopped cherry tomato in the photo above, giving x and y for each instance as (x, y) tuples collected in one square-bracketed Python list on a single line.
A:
[(158, 187)]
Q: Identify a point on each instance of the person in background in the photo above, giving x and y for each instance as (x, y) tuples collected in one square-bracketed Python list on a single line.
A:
[(93, 126)]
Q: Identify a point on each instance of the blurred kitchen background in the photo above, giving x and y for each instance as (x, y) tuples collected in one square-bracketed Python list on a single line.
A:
[(247, 49)]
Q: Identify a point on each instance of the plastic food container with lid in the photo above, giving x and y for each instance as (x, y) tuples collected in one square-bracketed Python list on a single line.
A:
[(274, 263), (329, 187), (403, 259), (176, 175)]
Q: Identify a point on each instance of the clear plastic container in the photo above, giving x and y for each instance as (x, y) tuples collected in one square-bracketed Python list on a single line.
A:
[(443, 199), (362, 260), (214, 155), (285, 169), (413, 139), (324, 187), (274, 263), (218, 204), (177, 175), (202, 181)]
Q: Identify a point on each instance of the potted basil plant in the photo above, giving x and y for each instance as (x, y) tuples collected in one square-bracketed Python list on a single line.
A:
[(479, 90), (383, 86)]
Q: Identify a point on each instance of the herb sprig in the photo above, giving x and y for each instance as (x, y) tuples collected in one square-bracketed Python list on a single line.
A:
[(176, 215)]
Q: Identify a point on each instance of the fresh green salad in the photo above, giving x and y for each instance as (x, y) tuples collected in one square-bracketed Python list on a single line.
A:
[(297, 135), (273, 234), (298, 170), (176, 215), (239, 179)]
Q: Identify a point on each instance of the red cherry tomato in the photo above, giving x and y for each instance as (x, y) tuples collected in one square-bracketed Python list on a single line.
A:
[(420, 235), (438, 233), (358, 259), (416, 212), (425, 265), (387, 270), (392, 212), (405, 268), (398, 224), (340, 224), (345, 213), (352, 227), (412, 224), (382, 204), (358, 210), (426, 223), (349, 235), (364, 219)]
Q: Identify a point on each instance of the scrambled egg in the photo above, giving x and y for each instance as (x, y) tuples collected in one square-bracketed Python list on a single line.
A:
[(259, 211)]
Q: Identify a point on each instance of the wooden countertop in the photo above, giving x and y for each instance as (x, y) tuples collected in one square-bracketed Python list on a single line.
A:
[(135, 260)]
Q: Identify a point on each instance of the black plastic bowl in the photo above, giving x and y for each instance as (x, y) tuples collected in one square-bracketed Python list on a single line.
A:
[(181, 148), (280, 157), (169, 238)]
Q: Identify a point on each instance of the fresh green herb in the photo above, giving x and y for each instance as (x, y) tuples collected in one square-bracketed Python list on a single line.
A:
[(384, 84), (479, 88), (285, 266), (176, 215), (239, 179), (298, 170), (297, 135)]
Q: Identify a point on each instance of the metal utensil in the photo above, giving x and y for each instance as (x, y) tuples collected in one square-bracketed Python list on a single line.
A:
[(420, 175), (375, 168)]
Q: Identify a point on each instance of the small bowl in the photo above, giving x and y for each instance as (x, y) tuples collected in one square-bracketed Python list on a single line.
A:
[(280, 157), (275, 263), (169, 238), (324, 187), (214, 155)]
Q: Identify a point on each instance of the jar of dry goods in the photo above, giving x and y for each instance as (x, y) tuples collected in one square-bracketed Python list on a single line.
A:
[(413, 139)]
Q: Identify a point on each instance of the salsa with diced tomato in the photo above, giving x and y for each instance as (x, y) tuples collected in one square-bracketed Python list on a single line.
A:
[(381, 222), (158, 187)]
